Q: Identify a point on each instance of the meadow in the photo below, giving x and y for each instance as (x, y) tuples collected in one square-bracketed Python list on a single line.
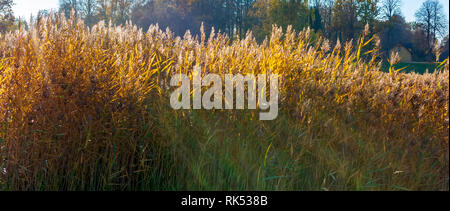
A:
[(413, 67), (88, 109)]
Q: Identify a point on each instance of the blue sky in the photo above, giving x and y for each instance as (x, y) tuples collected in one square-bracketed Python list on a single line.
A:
[(409, 8), (24, 8)]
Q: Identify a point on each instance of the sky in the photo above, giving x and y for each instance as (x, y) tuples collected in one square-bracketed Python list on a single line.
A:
[(24, 8), (409, 8)]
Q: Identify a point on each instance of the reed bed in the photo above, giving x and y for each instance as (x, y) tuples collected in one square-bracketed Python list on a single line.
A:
[(88, 109)]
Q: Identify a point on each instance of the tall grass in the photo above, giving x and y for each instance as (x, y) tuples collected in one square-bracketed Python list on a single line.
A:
[(88, 109)]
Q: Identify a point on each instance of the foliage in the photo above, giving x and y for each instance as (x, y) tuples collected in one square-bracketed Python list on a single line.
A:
[(341, 20), (396, 31)]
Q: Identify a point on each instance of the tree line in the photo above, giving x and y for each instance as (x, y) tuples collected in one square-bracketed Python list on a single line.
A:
[(341, 20)]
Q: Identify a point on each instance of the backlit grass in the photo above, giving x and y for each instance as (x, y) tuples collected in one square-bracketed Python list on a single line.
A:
[(88, 109)]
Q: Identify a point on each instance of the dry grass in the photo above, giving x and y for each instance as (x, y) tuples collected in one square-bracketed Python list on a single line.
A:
[(88, 109)]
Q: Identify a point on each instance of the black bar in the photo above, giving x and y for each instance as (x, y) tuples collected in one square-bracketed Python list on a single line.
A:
[(309, 201)]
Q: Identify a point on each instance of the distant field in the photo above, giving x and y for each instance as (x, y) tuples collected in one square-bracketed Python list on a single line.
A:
[(418, 67)]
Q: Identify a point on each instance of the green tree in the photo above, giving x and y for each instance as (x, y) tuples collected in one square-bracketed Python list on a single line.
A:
[(259, 15), (316, 17), (395, 31), (265, 13), (289, 12), (345, 19), (368, 11)]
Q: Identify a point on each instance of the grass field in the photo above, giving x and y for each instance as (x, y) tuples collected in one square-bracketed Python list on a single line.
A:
[(89, 110), (416, 67)]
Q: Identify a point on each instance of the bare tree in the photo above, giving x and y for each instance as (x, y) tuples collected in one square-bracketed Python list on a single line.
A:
[(326, 12), (445, 48), (88, 11), (6, 15), (122, 10), (116, 11), (390, 8), (67, 6), (433, 19)]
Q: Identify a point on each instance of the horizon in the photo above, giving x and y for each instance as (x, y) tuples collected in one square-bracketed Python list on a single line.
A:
[(25, 8)]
